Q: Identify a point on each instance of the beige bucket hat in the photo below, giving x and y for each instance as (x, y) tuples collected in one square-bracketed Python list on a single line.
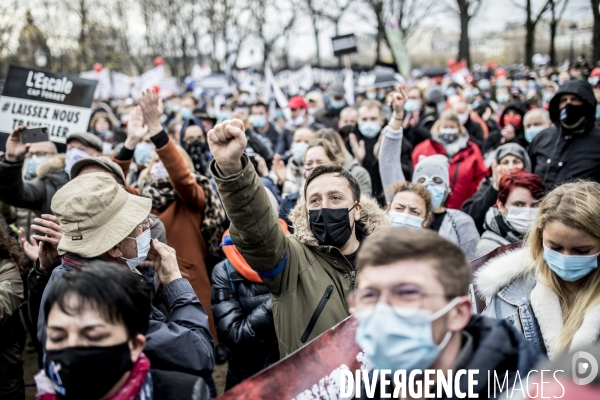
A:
[(96, 214)]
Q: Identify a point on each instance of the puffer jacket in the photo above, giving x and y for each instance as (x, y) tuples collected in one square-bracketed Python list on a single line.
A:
[(309, 283), (37, 193), (559, 156), (514, 294), (244, 319)]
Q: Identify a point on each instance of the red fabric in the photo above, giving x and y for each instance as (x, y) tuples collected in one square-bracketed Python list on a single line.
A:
[(238, 262), (471, 170), (298, 102), (134, 381)]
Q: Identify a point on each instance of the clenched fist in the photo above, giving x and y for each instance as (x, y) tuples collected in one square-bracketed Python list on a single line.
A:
[(227, 142)]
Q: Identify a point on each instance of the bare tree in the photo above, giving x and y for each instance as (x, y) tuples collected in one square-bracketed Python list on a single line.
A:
[(314, 11), (555, 17), (531, 20), (466, 10), (270, 30)]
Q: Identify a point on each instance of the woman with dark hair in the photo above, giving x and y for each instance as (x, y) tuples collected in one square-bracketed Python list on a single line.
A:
[(514, 212), (12, 334), (96, 337)]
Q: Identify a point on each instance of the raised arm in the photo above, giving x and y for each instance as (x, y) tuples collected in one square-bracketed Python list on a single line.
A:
[(390, 153), (254, 228)]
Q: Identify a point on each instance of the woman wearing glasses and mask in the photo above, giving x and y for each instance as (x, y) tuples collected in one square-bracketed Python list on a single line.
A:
[(550, 289)]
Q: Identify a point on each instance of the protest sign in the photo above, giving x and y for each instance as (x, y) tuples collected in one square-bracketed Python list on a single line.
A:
[(35, 97)]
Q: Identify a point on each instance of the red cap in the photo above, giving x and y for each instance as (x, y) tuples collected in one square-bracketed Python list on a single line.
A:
[(298, 102), (500, 72), (595, 72)]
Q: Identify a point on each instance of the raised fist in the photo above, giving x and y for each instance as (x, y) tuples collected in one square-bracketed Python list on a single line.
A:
[(227, 142)]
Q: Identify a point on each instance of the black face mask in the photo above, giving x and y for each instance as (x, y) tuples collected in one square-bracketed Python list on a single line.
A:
[(196, 147), (572, 116), (331, 226), (87, 372)]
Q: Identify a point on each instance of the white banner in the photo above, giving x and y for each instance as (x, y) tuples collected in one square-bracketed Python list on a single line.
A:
[(59, 118)]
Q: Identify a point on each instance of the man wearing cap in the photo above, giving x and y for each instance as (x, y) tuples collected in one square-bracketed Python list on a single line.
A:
[(37, 194), (300, 119), (100, 220), (335, 102)]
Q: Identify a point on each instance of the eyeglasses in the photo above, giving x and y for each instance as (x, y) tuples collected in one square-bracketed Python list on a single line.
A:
[(39, 154), (402, 295)]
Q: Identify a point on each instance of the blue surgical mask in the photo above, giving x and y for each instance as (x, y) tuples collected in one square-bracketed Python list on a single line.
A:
[(570, 268), (371, 95), (398, 338), (298, 149), (532, 131), (337, 104), (259, 121), (72, 156), (450, 92), (224, 115), (31, 165), (143, 247), (412, 105), (502, 98), (404, 219), (142, 153), (437, 195), (484, 84), (369, 129), (598, 112), (547, 96), (186, 113)]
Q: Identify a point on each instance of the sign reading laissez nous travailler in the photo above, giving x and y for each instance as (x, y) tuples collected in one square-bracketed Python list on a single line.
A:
[(35, 97)]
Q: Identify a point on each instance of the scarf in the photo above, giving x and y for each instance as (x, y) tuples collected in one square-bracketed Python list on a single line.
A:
[(160, 191), (496, 222), (453, 148), (138, 385), (197, 152), (72, 260)]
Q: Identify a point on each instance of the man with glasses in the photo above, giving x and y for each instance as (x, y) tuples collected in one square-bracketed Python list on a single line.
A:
[(414, 312), (100, 220)]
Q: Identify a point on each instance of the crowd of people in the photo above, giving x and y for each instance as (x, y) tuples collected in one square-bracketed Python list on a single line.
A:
[(182, 233)]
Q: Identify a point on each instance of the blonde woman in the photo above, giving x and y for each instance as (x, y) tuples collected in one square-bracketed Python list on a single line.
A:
[(467, 167), (550, 289)]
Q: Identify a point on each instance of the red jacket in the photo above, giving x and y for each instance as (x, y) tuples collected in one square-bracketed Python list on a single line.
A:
[(467, 169)]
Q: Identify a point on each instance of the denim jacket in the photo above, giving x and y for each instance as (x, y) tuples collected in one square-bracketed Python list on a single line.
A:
[(508, 293)]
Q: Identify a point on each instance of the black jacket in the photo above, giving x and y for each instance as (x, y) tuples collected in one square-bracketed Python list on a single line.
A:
[(270, 134), (475, 132), (558, 155), (329, 117), (478, 205), (496, 347), (371, 164), (422, 131), (244, 321), (494, 138)]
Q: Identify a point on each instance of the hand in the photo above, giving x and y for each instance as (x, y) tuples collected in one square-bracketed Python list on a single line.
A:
[(50, 227), (261, 166), (280, 169), (397, 100), (149, 104), (508, 133), (414, 118), (42, 249), (162, 259), (497, 173), (358, 148), (136, 130), (161, 107), (227, 142), (15, 150), (487, 114), (31, 248)]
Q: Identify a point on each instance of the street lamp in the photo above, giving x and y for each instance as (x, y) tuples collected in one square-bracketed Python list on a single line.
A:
[(572, 30), (40, 58)]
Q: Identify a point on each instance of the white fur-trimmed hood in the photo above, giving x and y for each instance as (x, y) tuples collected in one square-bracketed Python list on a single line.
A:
[(500, 271)]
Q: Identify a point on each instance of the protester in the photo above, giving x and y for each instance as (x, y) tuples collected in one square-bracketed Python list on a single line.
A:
[(12, 333), (535, 121), (38, 154), (261, 124), (291, 177), (37, 194), (348, 162), (243, 313), (315, 102), (178, 196), (507, 158), (348, 117), (95, 341), (414, 312), (417, 122), (193, 140), (335, 102), (316, 264), (467, 167), (569, 150), (511, 125), (514, 213), (475, 131), (410, 205), (548, 289), (119, 233), (101, 125), (300, 119), (364, 143)]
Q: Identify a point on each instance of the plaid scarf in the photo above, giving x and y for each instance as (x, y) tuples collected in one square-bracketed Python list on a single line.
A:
[(495, 221)]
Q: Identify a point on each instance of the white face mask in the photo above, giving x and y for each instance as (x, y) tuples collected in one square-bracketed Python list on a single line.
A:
[(158, 171), (143, 247), (299, 120), (72, 156), (404, 219), (464, 117), (521, 218)]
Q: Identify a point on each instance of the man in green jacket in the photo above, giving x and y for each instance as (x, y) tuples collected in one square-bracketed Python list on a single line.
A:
[(311, 272)]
